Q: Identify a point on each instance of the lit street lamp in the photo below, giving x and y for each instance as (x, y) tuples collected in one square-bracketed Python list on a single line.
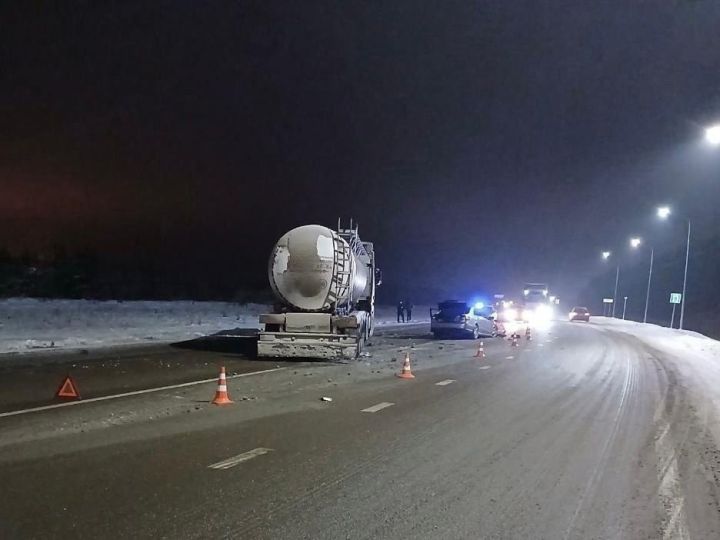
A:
[(712, 134), (605, 255), (635, 243), (663, 213)]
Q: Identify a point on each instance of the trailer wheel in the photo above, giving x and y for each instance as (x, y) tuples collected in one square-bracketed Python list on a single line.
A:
[(360, 345), (361, 340)]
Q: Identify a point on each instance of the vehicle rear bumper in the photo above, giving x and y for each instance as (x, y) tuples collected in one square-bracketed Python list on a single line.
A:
[(307, 345), (449, 328)]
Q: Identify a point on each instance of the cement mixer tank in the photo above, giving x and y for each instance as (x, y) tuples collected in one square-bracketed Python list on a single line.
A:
[(324, 282)]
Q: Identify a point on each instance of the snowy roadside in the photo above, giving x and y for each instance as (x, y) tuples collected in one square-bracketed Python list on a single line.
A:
[(660, 337), (28, 324), (692, 357)]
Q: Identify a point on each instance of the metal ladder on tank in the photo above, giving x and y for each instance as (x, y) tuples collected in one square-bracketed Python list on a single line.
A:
[(341, 271)]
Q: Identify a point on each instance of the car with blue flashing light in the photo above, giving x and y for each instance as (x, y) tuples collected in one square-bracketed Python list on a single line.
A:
[(454, 318)]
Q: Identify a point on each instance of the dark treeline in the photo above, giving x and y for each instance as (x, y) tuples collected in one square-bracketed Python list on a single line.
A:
[(703, 294), (86, 275)]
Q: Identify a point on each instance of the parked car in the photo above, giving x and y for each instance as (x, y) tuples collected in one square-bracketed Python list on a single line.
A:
[(455, 318), (580, 314)]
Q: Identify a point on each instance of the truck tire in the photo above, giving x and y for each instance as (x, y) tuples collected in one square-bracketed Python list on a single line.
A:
[(360, 347), (361, 340)]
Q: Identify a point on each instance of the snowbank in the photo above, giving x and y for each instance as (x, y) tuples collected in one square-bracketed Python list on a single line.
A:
[(663, 338), (694, 360), (28, 324)]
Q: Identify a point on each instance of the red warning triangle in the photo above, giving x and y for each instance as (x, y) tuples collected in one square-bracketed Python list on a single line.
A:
[(67, 389)]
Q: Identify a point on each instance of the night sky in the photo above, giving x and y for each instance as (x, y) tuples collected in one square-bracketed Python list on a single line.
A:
[(478, 144)]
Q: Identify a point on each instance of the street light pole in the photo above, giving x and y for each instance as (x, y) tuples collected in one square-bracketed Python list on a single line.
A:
[(647, 294), (624, 306), (687, 257), (617, 278)]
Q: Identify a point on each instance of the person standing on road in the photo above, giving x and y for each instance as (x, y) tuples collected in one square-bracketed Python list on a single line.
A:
[(408, 311), (400, 311)]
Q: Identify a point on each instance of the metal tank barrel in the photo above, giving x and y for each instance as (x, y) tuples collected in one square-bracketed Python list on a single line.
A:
[(313, 269)]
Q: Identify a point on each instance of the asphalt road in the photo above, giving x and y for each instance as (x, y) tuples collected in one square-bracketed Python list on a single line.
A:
[(32, 380), (580, 433)]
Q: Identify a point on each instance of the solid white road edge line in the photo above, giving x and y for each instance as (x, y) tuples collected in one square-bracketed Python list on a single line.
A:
[(445, 382), (236, 460), (378, 407), (135, 393)]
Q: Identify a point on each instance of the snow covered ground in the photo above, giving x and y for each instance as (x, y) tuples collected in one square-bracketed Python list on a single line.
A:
[(691, 358), (28, 324), (666, 339)]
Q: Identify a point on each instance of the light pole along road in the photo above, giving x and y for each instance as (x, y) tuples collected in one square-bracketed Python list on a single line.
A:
[(635, 243), (687, 257), (663, 213)]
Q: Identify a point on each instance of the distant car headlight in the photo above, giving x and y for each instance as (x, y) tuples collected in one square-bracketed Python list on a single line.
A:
[(510, 314), (544, 313), (527, 314)]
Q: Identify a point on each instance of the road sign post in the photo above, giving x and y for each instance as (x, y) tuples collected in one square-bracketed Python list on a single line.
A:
[(672, 317), (675, 299), (607, 306), (624, 306)]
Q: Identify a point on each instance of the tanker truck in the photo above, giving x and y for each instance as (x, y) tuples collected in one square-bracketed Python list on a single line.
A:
[(324, 283)]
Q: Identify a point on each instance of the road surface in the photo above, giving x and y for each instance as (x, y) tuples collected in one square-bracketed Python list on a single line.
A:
[(583, 432)]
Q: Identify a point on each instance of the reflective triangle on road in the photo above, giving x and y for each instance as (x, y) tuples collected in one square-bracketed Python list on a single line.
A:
[(68, 389)]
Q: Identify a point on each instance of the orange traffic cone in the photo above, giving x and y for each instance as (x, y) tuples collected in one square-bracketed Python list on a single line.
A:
[(481, 351), (528, 335), (514, 340), (221, 394), (406, 373)]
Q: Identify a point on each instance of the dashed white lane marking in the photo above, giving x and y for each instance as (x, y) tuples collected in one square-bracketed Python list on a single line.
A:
[(484, 367), (236, 460), (135, 393), (378, 407), (509, 357), (445, 382)]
